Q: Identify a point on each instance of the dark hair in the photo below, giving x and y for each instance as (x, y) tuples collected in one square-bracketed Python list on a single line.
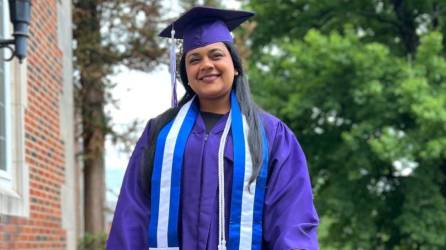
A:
[(247, 106)]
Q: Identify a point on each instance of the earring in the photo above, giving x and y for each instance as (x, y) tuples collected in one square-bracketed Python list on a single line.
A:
[(236, 73)]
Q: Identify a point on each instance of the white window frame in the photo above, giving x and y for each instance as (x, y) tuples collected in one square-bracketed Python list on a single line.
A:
[(14, 182), (6, 175)]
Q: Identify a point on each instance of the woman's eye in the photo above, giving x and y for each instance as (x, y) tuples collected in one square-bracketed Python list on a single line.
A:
[(193, 60), (217, 56)]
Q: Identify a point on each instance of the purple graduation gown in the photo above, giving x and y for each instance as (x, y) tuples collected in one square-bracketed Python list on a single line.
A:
[(289, 221)]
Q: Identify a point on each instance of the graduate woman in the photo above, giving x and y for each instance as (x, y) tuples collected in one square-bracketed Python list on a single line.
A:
[(214, 172)]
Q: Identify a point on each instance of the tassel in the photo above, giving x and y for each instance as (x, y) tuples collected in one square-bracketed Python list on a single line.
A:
[(173, 65)]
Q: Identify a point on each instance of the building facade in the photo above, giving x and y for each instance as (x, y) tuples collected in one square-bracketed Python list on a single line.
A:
[(40, 203)]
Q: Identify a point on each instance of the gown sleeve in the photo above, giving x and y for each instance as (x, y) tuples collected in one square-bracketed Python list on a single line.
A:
[(290, 218), (129, 227)]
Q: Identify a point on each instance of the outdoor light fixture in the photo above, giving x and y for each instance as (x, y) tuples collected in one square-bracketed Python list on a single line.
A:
[(20, 13)]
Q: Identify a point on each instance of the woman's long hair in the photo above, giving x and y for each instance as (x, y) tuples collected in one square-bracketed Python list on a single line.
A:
[(247, 106)]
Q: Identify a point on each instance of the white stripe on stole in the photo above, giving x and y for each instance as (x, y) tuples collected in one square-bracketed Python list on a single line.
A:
[(166, 174), (247, 215)]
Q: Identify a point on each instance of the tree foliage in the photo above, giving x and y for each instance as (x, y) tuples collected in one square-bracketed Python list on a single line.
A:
[(396, 23), (368, 110), (107, 33), (372, 126)]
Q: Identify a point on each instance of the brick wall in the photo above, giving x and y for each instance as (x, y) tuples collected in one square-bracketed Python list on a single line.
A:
[(44, 148)]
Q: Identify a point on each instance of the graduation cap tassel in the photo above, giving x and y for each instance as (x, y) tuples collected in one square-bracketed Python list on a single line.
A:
[(173, 64)]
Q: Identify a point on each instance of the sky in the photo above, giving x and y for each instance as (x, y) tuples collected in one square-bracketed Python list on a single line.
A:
[(140, 96)]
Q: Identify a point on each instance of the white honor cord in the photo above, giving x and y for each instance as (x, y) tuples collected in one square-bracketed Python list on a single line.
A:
[(221, 187)]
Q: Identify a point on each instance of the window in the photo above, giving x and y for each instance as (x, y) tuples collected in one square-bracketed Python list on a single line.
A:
[(5, 168), (14, 176)]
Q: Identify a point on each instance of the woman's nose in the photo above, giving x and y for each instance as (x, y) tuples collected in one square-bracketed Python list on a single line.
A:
[(206, 64)]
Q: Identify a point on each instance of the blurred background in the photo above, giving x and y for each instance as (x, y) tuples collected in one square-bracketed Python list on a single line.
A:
[(362, 83)]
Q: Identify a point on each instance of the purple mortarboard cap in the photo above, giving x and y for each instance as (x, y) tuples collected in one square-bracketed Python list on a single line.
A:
[(201, 26)]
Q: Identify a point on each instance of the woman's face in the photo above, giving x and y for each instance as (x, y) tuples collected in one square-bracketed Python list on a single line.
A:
[(210, 71)]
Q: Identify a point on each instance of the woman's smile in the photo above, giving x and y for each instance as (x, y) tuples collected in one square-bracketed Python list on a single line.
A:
[(209, 78)]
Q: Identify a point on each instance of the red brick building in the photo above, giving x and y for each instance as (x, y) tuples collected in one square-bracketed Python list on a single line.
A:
[(40, 206)]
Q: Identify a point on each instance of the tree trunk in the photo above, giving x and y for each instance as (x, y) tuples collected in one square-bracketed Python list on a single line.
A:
[(407, 26), (443, 169), (94, 170), (94, 130), (94, 196), (91, 98)]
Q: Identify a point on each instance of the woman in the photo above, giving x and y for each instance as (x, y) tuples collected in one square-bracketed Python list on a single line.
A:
[(215, 172)]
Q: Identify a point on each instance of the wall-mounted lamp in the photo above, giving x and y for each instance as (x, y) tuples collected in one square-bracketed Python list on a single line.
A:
[(20, 13)]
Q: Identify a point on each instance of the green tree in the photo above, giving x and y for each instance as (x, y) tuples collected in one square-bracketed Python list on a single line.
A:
[(372, 126), (367, 102), (396, 23), (187, 4), (107, 33)]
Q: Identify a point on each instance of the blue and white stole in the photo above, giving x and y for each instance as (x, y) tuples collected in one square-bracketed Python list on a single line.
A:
[(246, 211)]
